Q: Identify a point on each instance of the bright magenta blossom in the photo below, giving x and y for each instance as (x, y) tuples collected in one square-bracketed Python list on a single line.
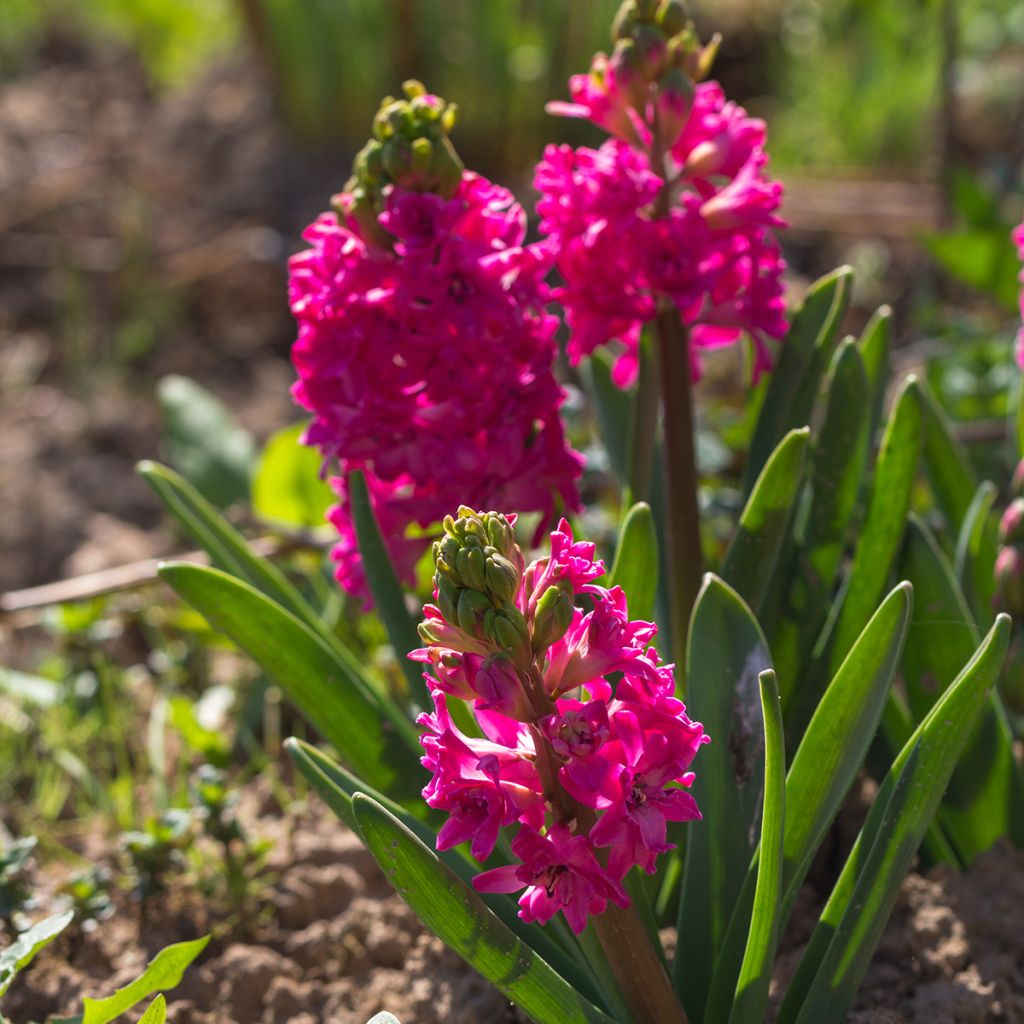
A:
[(427, 363), (1018, 238), (584, 746), (707, 244)]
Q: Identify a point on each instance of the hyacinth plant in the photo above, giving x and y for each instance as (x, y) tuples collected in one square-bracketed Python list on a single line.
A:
[(537, 791)]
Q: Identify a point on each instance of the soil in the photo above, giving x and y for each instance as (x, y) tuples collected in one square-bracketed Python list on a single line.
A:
[(340, 946)]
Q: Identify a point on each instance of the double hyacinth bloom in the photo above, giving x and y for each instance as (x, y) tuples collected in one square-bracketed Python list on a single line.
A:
[(582, 747), (675, 206), (424, 349)]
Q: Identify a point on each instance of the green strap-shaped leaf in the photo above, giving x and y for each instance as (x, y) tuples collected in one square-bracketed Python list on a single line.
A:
[(163, 972), (368, 730), (886, 517), (838, 454), (614, 408), (636, 561), (874, 343), (765, 522), (824, 767), (1016, 424), (21, 952), (221, 541), (953, 478), (387, 591), (454, 912), (803, 358), (976, 550), (726, 654), (984, 800), (156, 1013), (852, 922), (337, 786), (751, 999)]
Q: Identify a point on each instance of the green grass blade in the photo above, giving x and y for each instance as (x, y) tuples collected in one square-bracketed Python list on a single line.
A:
[(368, 730), (220, 540), (22, 951), (163, 972), (387, 591), (952, 477), (838, 454), (756, 971), (976, 550), (455, 913), (855, 915), (829, 757), (726, 654), (886, 516), (636, 561), (984, 799), (765, 522), (803, 358)]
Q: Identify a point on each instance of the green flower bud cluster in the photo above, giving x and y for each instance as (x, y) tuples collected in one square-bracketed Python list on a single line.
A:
[(478, 571), (410, 147), (656, 45)]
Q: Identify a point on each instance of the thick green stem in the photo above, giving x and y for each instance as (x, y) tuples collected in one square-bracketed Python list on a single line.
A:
[(682, 510)]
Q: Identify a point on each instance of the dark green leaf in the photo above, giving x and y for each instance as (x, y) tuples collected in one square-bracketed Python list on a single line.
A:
[(636, 561), (976, 550), (803, 358), (983, 802), (454, 912), (725, 655), (874, 343), (368, 730), (852, 922), (765, 521), (825, 765), (886, 516), (838, 455), (756, 971), (950, 472), (387, 591), (205, 442)]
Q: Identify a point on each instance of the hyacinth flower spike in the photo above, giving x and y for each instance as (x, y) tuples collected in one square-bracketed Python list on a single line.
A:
[(425, 347), (583, 749), (670, 223)]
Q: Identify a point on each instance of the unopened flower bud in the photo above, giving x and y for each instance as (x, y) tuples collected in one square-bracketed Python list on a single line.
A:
[(502, 577), (671, 17), (1011, 526), (471, 567), (1017, 484), (675, 99), (624, 22), (497, 686), (553, 616), (1009, 576), (626, 76), (652, 50), (470, 612), (447, 597), (508, 630)]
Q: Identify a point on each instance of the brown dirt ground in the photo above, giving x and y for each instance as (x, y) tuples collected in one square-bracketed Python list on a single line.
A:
[(340, 945)]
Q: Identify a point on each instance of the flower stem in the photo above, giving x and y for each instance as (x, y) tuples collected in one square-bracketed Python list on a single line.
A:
[(682, 510), (636, 967)]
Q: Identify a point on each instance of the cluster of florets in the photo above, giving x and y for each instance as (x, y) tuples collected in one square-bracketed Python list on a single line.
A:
[(1018, 238), (581, 744), (425, 350), (675, 206)]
